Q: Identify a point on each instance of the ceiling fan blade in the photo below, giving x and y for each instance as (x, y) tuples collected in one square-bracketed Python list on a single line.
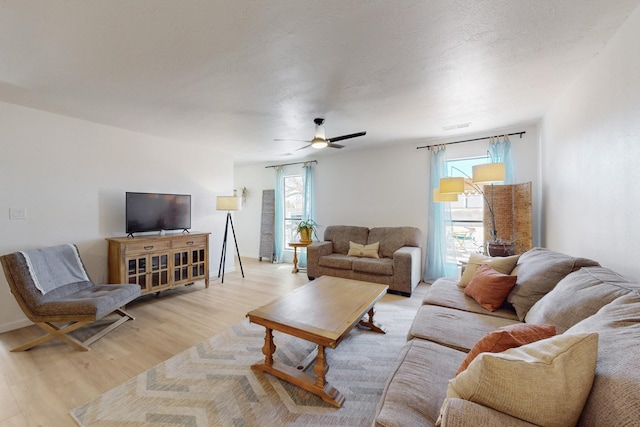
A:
[(302, 148), (332, 145), (340, 138), (291, 140)]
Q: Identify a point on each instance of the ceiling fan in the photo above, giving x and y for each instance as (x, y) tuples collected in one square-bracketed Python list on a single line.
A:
[(320, 141)]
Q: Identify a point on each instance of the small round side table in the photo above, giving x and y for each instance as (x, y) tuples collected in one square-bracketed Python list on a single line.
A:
[(295, 246)]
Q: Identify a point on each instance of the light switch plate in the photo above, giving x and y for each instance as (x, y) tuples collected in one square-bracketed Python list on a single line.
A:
[(17, 213)]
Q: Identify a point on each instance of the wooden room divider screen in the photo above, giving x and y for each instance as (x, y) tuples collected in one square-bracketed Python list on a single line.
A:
[(512, 212)]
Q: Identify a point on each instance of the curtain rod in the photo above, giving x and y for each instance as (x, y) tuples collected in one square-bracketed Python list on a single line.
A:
[(289, 164), (475, 139)]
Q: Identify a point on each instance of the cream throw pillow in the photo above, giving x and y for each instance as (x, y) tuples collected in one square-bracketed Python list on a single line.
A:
[(502, 265), (545, 383), (365, 251)]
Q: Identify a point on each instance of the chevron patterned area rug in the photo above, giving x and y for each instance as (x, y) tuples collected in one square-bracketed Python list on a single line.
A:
[(212, 383)]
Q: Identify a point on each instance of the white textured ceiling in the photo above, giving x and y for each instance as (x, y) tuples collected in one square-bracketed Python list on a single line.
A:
[(238, 73)]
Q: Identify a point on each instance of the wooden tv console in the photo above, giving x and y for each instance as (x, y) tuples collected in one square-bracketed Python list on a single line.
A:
[(157, 263)]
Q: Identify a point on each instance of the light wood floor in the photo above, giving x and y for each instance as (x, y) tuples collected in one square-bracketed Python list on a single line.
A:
[(40, 386)]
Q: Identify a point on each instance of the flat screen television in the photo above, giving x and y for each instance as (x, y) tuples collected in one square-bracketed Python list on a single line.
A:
[(157, 212)]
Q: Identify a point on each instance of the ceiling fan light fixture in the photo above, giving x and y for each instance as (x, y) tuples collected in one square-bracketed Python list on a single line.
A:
[(318, 143), (320, 140)]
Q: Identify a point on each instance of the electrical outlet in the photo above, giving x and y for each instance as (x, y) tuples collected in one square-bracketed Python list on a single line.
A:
[(17, 213)]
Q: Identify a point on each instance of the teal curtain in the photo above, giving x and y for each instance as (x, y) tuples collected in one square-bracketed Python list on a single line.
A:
[(440, 253), (279, 215), (501, 153), (308, 210)]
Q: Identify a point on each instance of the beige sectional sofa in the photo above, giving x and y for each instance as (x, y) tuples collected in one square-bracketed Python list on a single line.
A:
[(589, 373), (396, 259)]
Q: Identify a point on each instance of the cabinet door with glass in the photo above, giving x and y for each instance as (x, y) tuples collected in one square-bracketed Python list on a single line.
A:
[(190, 261), (198, 264), (150, 271)]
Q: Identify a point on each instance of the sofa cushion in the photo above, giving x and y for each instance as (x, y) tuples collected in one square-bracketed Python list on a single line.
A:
[(365, 251), (489, 287), (383, 266), (538, 271), (615, 396), (546, 382), (416, 388), (93, 301), (508, 337), (335, 260), (393, 238), (454, 328), (578, 296), (445, 292), (501, 264), (341, 235)]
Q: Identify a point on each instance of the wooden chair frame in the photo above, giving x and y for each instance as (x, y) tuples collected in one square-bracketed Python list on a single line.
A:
[(58, 326), (61, 332)]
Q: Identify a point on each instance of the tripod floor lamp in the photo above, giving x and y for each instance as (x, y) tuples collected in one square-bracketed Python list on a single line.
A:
[(228, 203)]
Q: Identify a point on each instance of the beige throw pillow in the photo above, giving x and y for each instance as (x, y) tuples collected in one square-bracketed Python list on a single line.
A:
[(502, 265), (545, 383), (364, 251)]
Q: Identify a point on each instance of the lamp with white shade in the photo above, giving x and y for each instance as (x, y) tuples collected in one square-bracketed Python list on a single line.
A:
[(229, 204), (439, 197), (488, 173), (452, 185)]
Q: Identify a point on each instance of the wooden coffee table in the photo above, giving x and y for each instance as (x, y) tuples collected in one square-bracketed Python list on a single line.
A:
[(323, 312)]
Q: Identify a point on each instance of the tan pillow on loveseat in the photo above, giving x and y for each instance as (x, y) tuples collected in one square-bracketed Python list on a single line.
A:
[(364, 251), (545, 383)]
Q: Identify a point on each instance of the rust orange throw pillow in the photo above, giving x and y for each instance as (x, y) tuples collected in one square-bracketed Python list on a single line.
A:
[(490, 288), (508, 337)]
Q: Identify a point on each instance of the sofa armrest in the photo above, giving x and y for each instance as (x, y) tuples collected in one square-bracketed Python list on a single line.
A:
[(406, 269), (462, 413), (314, 252)]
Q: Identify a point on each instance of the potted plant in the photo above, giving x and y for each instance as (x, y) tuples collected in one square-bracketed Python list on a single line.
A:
[(306, 230), (499, 247)]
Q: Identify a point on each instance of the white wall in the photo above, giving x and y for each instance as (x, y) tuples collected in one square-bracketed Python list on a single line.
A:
[(71, 177), (590, 142), (247, 221), (382, 186)]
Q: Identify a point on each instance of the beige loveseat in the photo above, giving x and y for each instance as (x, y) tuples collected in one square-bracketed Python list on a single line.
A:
[(588, 374), (398, 262)]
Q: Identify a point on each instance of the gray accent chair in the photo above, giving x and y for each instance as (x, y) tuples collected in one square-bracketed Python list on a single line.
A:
[(398, 267), (53, 287)]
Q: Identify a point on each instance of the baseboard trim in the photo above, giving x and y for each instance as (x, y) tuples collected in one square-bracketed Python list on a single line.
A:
[(15, 325)]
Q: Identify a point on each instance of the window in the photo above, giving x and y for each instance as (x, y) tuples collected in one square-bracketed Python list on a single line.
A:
[(293, 207), (467, 229)]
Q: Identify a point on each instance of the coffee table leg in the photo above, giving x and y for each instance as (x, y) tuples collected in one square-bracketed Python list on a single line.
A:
[(269, 348), (315, 384), (371, 324), (321, 368)]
